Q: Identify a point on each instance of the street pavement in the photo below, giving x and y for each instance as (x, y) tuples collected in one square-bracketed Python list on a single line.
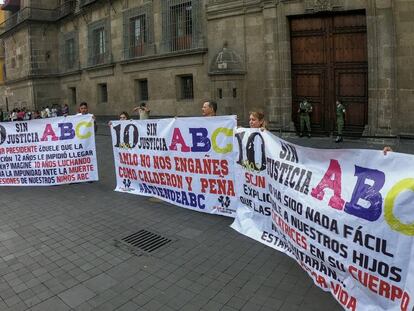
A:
[(58, 252)]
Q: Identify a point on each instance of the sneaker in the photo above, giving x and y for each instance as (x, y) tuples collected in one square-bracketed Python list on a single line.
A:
[(338, 139), (300, 134), (309, 135)]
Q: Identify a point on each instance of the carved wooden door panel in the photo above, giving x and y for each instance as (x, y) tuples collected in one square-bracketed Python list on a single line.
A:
[(329, 62)]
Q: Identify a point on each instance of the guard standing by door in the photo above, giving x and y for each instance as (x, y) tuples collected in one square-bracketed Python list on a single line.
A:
[(340, 120), (305, 108)]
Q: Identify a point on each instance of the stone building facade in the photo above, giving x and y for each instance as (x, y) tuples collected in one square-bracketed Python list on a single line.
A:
[(246, 54), (2, 77)]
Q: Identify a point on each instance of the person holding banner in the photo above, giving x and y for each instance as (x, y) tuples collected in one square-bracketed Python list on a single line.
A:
[(209, 109), (122, 116), (256, 120), (83, 110)]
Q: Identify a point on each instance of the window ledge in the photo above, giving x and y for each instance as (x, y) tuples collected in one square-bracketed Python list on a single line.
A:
[(70, 73), (100, 66), (185, 100), (164, 56)]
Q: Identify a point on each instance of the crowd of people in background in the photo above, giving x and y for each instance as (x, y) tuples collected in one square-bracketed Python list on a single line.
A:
[(209, 109), (23, 114)]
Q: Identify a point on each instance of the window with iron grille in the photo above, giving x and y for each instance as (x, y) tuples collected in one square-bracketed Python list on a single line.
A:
[(99, 48), (186, 87), (70, 53), (138, 38), (68, 46), (99, 42), (138, 31), (181, 25), (142, 90)]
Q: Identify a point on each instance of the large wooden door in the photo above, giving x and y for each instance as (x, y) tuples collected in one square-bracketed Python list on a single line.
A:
[(329, 62)]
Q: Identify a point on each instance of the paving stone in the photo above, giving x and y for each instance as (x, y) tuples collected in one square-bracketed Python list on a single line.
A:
[(141, 300), (84, 307), (236, 302), (290, 307), (21, 306), (76, 295), (222, 297), (153, 305), (251, 307), (129, 306), (199, 301), (102, 298), (52, 304), (45, 295), (32, 301), (7, 293), (100, 283), (28, 293), (13, 300), (273, 303), (4, 236)]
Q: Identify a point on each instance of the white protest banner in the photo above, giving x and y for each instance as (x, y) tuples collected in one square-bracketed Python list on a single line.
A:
[(46, 152), (346, 216), (184, 161)]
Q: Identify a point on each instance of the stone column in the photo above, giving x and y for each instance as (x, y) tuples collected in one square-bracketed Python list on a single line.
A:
[(278, 96), (381, 68), (404, 72)]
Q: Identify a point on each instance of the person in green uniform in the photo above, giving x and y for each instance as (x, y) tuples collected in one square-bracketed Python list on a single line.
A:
[(340, 120), (305, 108)]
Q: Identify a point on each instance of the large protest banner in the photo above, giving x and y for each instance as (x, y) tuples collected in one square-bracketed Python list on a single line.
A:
[(184, 161), (48, 152), (346, 216)]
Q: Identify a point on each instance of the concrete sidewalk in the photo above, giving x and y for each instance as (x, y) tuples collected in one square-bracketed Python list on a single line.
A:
[(58, 252)]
